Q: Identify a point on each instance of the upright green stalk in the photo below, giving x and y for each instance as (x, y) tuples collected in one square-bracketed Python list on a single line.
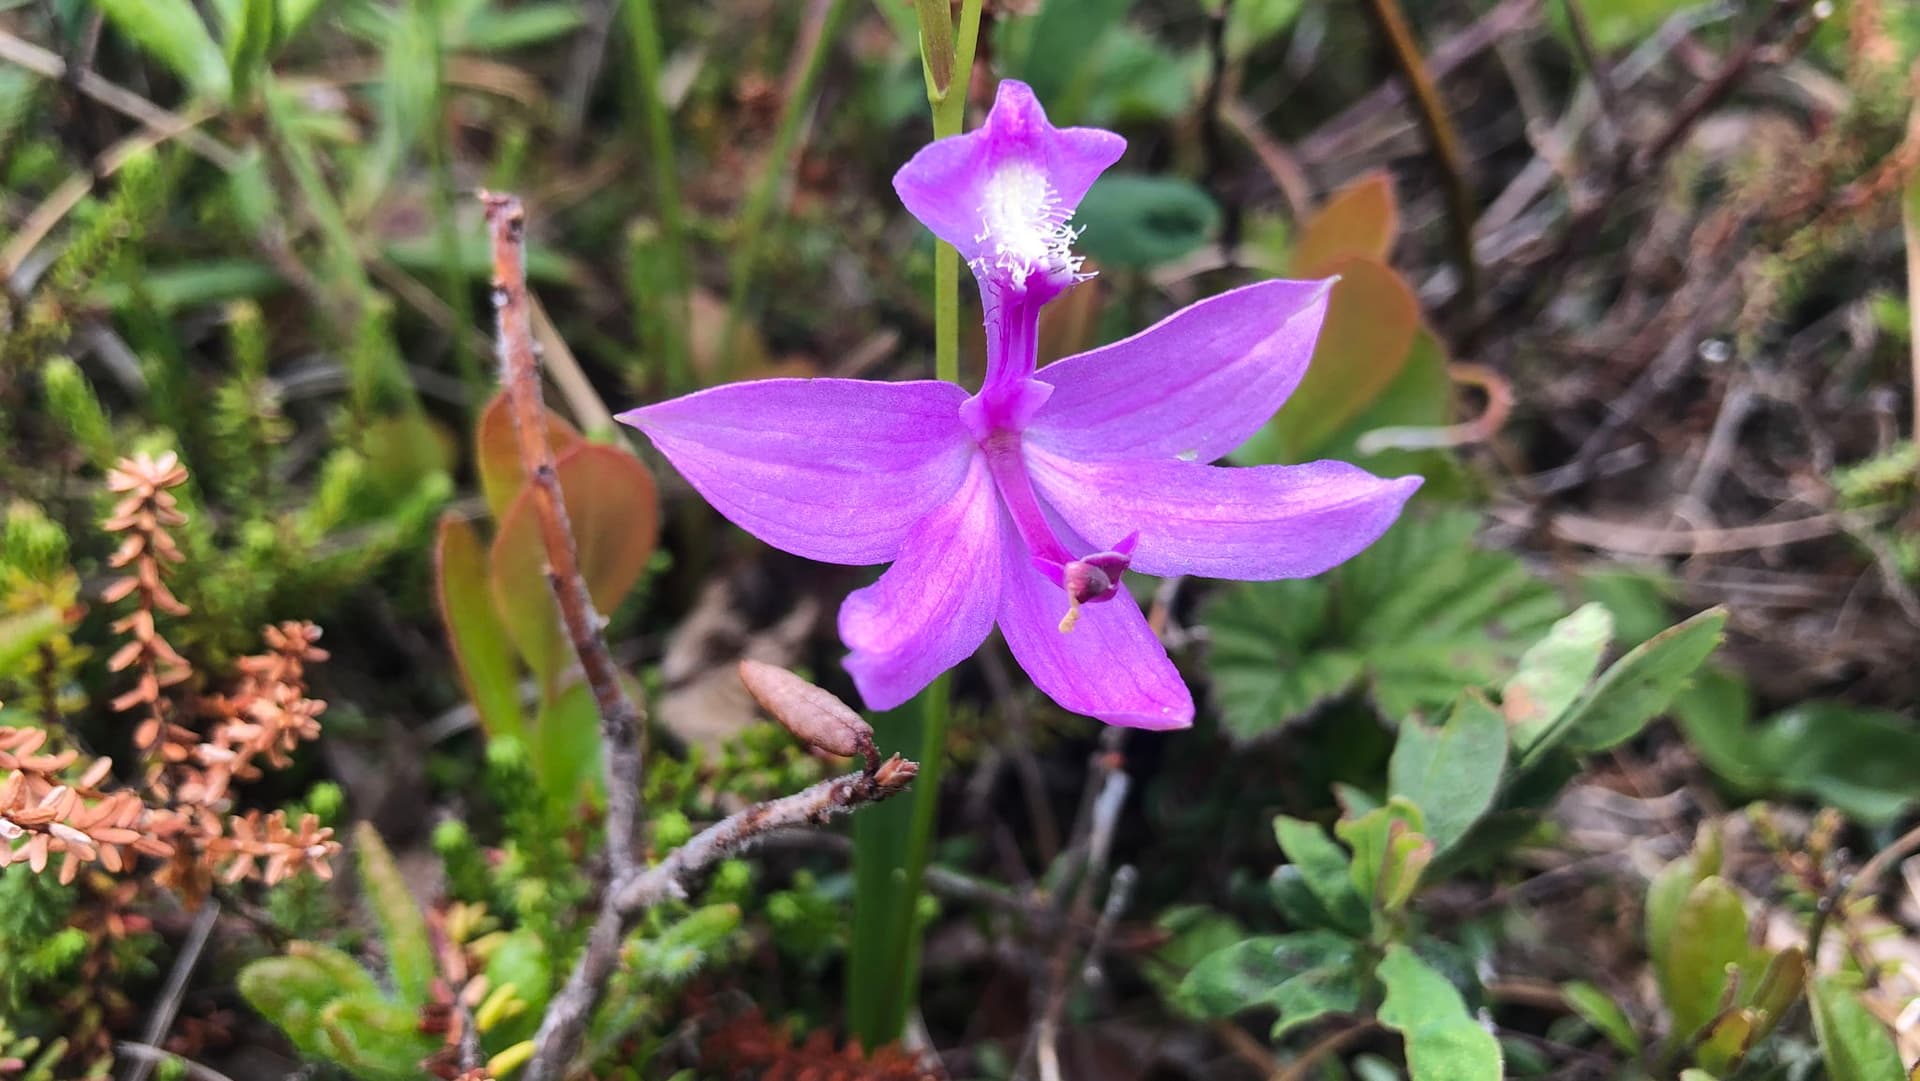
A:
[(453, 272), (643, 28), (892, 841)]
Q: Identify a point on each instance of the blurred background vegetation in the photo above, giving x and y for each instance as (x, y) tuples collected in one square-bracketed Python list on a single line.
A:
[(1601, 764)]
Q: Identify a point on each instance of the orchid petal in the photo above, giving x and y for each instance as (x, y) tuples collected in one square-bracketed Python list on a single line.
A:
[(837, 470), (945, 185), (1111, 666), (1256, 523), (1194, 385), (935, 605)]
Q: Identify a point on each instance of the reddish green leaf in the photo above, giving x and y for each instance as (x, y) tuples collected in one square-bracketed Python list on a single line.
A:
[(1371, 322), (615, 511), (480, 642), (497, 451), (1358, 222)]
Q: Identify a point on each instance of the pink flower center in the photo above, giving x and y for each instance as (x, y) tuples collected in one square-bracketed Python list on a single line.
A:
[(1087, 579)]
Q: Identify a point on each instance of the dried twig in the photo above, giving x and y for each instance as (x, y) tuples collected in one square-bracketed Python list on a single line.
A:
[(633, 894), (620, 718)]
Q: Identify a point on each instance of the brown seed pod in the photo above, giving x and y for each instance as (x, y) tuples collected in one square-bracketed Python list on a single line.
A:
[(814, 716)]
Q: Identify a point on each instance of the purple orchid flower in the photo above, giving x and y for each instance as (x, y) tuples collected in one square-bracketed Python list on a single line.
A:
[(1023, 505)]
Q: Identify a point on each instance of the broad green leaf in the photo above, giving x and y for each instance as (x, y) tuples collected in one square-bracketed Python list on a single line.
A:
[(1372, 837), (1326, 869), (1049, 50), (1358, 221), (1727, 1042), (1666, 895), (496, 449), (1554, 670), (1303, 976), (481, 647), (1856, 1046), (1144, 221), (1194, 932), (1598, 1009), (1452, 772), (1695, 1073), (1637, 688), (1413, 618), (1716, 716), (1864, 762), (1263, 672), (615, 513), (1135, 77), (1709, 934), (1371, 322), (172, 32), (403, 931), (1444, 1042)]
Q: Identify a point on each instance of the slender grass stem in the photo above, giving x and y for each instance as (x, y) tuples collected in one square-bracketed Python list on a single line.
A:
[(816, 34), (643, 31)]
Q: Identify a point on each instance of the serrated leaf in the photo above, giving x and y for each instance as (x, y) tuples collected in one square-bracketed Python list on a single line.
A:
[(1417, 616), (614, 509), (1637, 688), (172, 32), (1554, 670), (481, 647), (403, 931), (1303, 976), (1358, 221), (1452, 772), (1144, 221), (1856, 1046), (1372, 318), (1325, 868), (1444, 1042), (1598, 1009)]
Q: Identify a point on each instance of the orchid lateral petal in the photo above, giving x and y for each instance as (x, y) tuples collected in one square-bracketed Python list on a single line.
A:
[(1194, 385), (947, 184), (1256, 523), (836, 470), (935, 605), (1111, 666)]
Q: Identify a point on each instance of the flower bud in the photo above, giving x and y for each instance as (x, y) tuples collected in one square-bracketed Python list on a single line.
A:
[(814, 716)]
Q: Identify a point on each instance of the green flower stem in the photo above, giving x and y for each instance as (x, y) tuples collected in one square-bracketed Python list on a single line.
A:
[(892, 842)]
